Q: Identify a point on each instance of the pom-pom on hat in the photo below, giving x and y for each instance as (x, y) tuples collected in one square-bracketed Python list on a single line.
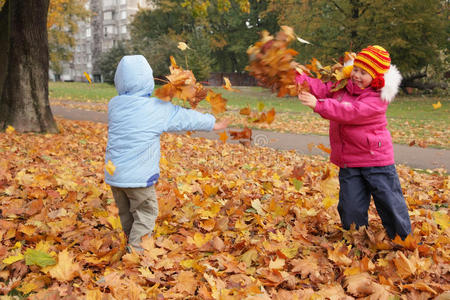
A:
[(374, 60)]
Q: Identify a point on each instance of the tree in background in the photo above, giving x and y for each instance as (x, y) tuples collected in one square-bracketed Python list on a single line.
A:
[(232, 31), (62, 24), (217, 32), (413, 31), (24, 64)]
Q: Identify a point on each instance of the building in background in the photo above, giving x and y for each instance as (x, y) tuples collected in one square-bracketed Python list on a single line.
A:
[(109, 24)]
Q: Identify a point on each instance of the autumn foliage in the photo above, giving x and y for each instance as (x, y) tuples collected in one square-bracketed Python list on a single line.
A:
[(183, 85), (273, 64), (235, 222)]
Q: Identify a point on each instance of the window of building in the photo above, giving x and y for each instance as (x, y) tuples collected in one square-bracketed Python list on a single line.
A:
[(123, 14), (110, 29), (107, 15), (123, 2), (108, 2), (88, 32), (123, 29)]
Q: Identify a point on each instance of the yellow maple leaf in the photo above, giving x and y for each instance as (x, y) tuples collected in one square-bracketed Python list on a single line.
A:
[(66, 269), (327, 202), (201, 239), (13, 258), (437, 105), (188, 263), (110, 168), (88, 77), (290, 252), (114, 222), (442, 219), (10, 129)]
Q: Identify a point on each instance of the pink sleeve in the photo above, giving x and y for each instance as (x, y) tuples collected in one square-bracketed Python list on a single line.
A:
[(316, 86), (363, 111)]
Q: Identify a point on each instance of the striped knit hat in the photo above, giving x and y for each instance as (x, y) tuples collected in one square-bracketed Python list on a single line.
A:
[(374, 60)]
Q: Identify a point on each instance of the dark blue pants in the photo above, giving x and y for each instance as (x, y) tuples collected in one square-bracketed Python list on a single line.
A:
[(356, 187)]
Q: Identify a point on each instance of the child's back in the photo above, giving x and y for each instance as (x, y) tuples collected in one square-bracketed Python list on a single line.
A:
[(135, 122)]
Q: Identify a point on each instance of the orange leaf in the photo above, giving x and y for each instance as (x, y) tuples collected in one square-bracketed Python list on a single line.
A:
[(324, 149), (218, 104), (166, 92), (223, 136), (245, 111), (227, 85), (246, 133), (270, 116)]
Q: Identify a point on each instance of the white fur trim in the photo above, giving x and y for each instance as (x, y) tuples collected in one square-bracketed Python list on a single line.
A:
[(349, 62), (392, 80)]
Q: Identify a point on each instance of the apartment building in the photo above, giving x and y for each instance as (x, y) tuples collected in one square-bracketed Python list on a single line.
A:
[(109, 24)]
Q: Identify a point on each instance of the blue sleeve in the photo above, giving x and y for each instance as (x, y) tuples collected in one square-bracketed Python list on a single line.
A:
[(181, 119)]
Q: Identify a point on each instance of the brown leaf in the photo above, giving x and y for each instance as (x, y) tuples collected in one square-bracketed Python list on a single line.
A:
[(246, 133)]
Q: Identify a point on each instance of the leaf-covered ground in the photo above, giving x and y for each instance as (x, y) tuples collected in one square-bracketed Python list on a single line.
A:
[(432, 133), (235, 222)]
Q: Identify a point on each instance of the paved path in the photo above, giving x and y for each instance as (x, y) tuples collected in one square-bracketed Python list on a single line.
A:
[(416, 157)]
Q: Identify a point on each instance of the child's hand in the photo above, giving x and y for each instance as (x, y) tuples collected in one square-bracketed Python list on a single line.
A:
[(221, 124), (307, 99)]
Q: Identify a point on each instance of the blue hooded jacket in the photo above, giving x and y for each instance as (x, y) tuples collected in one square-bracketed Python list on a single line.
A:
[(135, 122)]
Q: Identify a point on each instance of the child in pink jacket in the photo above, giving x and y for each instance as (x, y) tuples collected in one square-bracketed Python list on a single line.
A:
[(361, 144)]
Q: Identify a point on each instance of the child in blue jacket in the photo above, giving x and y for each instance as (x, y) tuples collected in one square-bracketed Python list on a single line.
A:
[(135, 122)]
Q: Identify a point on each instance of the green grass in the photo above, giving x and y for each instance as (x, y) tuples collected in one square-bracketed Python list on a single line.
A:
[(410, 118), (404, 107), (81, 91)]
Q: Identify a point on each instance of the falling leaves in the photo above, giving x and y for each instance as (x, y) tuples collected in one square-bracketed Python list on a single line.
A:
[(227, 85), (87, 77), (272, 63), (182, 46), (10, 129), (437, 105), (183, 85), (110, 168)]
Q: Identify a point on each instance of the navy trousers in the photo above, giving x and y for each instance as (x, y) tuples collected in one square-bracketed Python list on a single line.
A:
[(357, 185)]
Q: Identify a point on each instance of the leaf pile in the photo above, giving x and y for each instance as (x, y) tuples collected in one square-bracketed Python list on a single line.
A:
[(183, 85), (234, 223)]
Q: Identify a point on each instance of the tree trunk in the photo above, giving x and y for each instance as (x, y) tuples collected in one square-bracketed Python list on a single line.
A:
[(24, 63)]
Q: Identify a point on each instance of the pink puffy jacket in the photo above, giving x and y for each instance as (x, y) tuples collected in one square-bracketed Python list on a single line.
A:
[(358, 133)]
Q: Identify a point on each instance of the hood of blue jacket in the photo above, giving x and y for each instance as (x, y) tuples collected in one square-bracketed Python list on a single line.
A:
[(134, 76)]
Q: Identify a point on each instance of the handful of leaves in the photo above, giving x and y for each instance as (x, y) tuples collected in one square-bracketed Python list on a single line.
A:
[(272, 63), (183, 85)]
